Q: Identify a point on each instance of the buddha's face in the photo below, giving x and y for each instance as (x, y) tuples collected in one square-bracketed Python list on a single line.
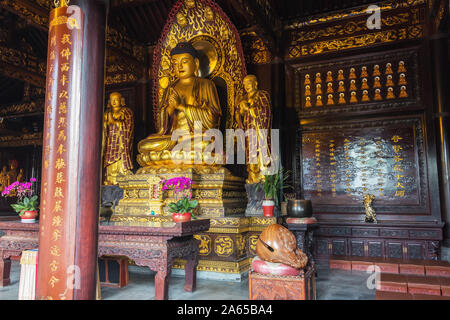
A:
[(184, 65), (115, 100), (250, 84)]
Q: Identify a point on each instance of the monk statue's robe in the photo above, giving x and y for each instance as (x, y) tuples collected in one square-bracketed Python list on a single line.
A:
[(118, 144)]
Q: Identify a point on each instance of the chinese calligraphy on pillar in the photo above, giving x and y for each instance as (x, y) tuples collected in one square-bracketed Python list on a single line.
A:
[(62, 104)]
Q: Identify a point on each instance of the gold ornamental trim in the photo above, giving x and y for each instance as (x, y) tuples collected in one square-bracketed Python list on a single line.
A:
[(217, 266)]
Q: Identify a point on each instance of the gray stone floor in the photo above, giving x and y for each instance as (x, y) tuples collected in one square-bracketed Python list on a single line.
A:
[(331, 285)]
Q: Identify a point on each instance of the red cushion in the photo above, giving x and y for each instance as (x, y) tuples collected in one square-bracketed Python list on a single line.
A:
[(265, 267)]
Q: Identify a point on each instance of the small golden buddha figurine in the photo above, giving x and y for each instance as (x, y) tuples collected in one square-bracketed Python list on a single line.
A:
[(377, 83), (390, 93), (341, 75), (364, 85), (352, 86), (20, 176), (378, 96), (352, 74), (341, 98), (341, 86), (389, 68), (330, 87), (403, 93), (364, 73), (189, 3), (318, 89), (365, 96), (389, 82), (181, 20), (255, 114), (402, 80), (319, 101), (371, 215), (209, 14), (307, 90), (4, 178), (329, 76), (187, 100), (376, 71), (330, 100), (318, 78), (308, 102), (401, 67), (12, 173), (118, 125), (307, 79), (353, 98)]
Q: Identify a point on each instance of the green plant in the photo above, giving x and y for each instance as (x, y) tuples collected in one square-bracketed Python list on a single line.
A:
[(27, 204), (183, 206), (273, 183)]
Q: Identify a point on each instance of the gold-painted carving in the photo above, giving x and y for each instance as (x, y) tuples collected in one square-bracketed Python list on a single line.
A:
[(223, 246), (205, 244)]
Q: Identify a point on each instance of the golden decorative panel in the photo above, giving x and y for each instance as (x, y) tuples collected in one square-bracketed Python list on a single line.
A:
[(205, 244), (349, 30), (223, 246)]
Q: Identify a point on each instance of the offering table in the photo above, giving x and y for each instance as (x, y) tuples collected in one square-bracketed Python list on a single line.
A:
[(155, 246)]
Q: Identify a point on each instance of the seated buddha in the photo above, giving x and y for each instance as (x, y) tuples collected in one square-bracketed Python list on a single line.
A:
[(187, 101)]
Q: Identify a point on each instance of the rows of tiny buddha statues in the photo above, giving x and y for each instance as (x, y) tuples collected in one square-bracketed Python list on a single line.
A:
[(188, 101), (360, 90), (9, 174)]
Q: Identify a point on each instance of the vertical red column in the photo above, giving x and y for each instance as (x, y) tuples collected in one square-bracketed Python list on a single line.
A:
[(71, 152)]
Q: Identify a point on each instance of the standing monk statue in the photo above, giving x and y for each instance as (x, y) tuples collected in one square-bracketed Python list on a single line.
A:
[(254, 113), (118, 139), (187, 100)]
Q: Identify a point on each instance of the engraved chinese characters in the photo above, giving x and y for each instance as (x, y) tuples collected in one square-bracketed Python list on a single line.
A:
[(342, 163), (118, 134), (61, 108)]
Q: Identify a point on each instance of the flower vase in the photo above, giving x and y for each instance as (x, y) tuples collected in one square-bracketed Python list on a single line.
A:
[(29, 216), (268, 207), (181, 217)]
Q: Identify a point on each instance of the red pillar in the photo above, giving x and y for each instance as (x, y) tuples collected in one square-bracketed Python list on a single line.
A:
[(72, 151)]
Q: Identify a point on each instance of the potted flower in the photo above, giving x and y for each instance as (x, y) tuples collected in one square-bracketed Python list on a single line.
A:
[(27, 203), (271, 186), (182, 209)]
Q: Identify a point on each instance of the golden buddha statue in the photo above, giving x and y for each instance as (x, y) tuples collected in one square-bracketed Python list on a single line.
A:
[(20, 176), (12, 173), (4, 178), (118, 139), (254, 112), (189, 99)]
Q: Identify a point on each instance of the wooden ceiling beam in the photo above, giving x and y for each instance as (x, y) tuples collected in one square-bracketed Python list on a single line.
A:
[(266, 19)]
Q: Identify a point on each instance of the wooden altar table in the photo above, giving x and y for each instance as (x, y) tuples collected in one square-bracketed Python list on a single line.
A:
[(155, 246)]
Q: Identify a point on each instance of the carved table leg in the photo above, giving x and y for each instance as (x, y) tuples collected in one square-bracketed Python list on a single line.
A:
[(5, 269), (162, 283), (191, 274)]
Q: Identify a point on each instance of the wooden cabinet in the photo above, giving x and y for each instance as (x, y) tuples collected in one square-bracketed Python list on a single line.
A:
[(382, 240)]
